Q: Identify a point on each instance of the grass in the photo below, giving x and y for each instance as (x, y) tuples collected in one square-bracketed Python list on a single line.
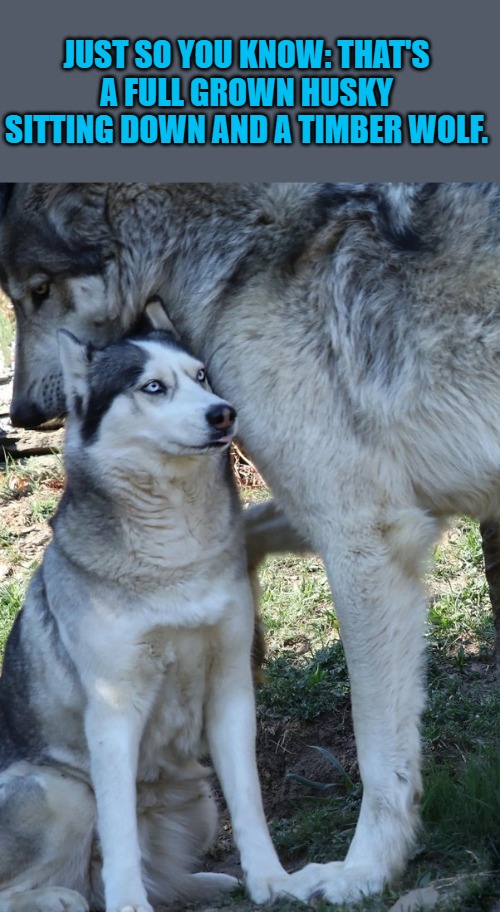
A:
[(306, 686), (11, 598), (31, 476), (470, 793), (303, 688), (43, 509)]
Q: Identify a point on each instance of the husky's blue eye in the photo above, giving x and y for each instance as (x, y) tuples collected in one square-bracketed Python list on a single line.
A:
[(154, 387), (201, 376)]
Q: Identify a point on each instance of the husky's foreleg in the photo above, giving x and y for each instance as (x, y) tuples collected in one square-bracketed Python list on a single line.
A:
[(231, 739), (113, 735)]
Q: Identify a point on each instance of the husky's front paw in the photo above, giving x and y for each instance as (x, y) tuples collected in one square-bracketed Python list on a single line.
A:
[(265, 889), (130, 907), (131, 900), (126, 895)]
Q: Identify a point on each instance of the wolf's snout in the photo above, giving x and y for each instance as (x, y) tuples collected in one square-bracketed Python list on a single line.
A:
[(25, 414), (221, 417)]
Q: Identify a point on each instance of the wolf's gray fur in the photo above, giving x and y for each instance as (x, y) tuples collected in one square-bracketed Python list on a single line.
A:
[(132, 652), (357, 331)]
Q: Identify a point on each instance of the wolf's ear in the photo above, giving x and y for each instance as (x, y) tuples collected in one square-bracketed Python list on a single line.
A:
[(78, 212), (75, 361), (156, 316), (5, 194)]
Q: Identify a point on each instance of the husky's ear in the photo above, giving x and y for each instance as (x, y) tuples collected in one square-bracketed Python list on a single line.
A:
[(157, 317), (75, 361)]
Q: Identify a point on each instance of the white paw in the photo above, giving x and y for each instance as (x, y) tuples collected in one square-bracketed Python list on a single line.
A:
[(337, 882), (129, 907), (267, 888), (223, 883), (211, 885)]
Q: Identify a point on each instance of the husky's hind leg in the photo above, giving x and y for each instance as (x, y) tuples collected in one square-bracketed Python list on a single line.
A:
[(47, 822)]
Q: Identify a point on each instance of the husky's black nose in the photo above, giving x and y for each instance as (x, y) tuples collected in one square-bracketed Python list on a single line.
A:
[(26, 414), (221, 417)]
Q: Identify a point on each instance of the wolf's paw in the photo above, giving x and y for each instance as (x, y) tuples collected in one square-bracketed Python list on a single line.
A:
[(45, 899), (337, 882)]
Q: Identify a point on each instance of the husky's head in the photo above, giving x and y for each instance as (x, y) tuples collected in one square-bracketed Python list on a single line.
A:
[(139, 399)]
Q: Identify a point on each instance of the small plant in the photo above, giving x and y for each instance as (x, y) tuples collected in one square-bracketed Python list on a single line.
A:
[(43, 509), (337, 766)]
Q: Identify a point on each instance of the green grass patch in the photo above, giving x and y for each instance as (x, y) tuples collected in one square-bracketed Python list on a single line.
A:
[(42, 509), (461, 809), (320, 830), (11, 600), (303, 688)]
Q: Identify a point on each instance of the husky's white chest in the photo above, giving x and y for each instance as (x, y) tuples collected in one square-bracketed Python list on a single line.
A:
[(178, 665), (151, 659)]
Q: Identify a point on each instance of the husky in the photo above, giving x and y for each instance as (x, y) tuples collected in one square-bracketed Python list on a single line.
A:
[(132, 652), (356, 330)]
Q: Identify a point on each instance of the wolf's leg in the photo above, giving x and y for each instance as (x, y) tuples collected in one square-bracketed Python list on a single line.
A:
[(113, 726), (490, 533), (374, 567), (47, 822), (177, 824), (267, 531)]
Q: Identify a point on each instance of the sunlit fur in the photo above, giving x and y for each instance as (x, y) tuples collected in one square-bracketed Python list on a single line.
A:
[(356, 329)]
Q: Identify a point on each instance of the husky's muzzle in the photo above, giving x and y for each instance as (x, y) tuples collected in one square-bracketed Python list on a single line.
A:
[(222, 420)]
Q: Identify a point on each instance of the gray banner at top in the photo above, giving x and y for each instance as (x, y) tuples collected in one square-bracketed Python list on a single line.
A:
[(462, 79)]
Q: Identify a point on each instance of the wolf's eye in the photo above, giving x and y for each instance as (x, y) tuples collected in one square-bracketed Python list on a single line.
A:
[(154, 387), (41, 292), (201, 376)]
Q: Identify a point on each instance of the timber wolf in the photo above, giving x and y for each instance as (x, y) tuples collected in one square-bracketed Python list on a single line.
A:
[(132, 651), (356, 329)]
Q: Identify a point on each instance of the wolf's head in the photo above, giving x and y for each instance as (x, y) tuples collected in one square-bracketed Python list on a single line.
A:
[(56, 253), (140, 400)]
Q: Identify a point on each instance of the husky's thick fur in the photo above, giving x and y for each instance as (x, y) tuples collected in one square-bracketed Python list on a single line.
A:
[(357, 332), (132, 648)]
